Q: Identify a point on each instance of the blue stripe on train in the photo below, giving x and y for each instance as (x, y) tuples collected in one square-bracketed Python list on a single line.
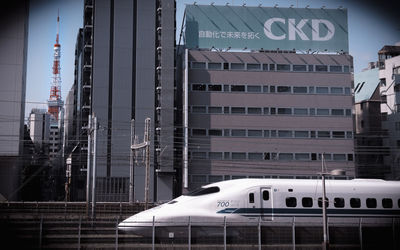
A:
[(309, 211)]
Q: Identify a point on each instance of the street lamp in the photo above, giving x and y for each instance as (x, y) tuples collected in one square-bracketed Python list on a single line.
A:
[(324, 172)]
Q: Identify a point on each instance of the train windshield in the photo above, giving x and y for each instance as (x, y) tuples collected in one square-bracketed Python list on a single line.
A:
[(203, 191)]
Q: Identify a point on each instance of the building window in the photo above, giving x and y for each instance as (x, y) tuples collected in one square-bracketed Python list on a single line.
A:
[(238, 110), (266, 111), (383, 98), (198, 65), (300, 90), (285, 134), (300, 111), (254, 133), (339, 157), (214, 87), (346, 69), (283, 67), (215, 110), (255, 156), (199, 132), (272, 89), (226, 66), (215, 132), (253, 66), (238, 132), (285, 156), (237, 88), (284, 111), (226, 110), (299, 67), (321, 68), (198, 87), (291, 202), (322, 90), (284, 89), (322, 111), (254, 89), (215, 155), (302, 156), (301, 134), (199, 155), (237, 66), (272, 67), (254, 111), (335, 68), (265, 67), (216, 66), (311, 68), (324, 134), (336, 91), (338, 134), (238, 156), (266, 133), (199, 109), (338, 112), (226, 88)]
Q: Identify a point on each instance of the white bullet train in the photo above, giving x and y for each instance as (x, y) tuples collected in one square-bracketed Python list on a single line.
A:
[(273, 201)]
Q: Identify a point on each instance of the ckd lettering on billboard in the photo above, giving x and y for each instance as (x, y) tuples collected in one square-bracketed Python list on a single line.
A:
[(267, 28)]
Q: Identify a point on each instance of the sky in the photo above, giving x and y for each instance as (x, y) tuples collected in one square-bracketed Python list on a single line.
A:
[(371, 24)]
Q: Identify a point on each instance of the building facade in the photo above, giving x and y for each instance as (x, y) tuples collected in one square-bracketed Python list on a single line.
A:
[(13, 50), (268, 114), (389, 75), (127, 73)]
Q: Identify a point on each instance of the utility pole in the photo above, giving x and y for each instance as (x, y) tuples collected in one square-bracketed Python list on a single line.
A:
[(144, 145), (94, 168), (89, 154)]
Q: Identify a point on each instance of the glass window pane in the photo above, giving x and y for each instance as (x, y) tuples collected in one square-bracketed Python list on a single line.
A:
[(238, 132), (310, 68), (199, 132), (285, 133), (387, 203), (347, 91), (253, 88), (346, 69), (226, 88), (321, 68), (254, 111), (237, 66), (336, 90), (302, 156), (322, 111), (215, 155), (215, 110), (214, 87), (214, 65), (291, 202), (238, 110), (301, 134), (251, 197), (338, 134), (339, 157), (199, 109), (266, 133), (198, 65), (300, 90), (266, 111), (355, 203), (253, 66), (338, 202), (283, 67), (322, 90), (338, 112), (198, 87), (286, 156), (284, 89), (371, 203), (254, 133), (214, 178), (299, 67), (320, 202), (284, 111), (335, 68), (265, 67), (324, 134), (272, 67), (265, 195), (307, 202), (215, 132), (238, 156), (300, 111), (237, 88), (255, 156), (199, 155)]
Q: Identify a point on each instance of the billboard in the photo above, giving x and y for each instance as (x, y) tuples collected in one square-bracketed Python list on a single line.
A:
[(267, 28)]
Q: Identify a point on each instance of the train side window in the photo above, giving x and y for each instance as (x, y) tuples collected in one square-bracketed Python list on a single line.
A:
[(251, 197), (291, 202), (338, 202), (387, 203), (398, 203), (320, 202), (265, 195), (355, 203), (371, 203), (307, 202)]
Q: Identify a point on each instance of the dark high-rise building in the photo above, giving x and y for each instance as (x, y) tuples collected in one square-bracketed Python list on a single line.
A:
[(13, 47), (127, 72)]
